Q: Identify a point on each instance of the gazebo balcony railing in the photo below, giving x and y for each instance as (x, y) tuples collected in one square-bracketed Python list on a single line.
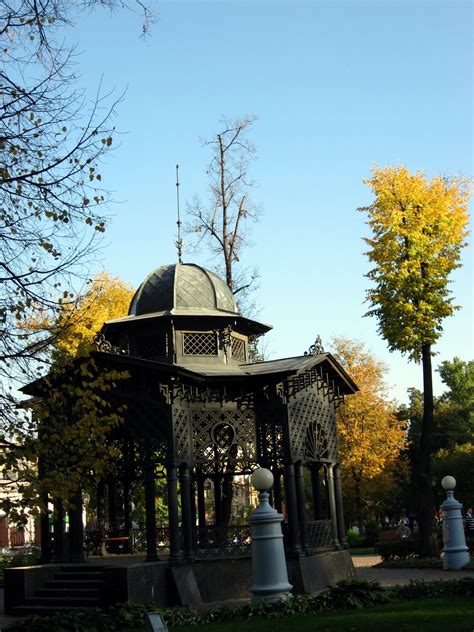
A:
[(231, 541), (214, 542), (208, 542), (319, 534)]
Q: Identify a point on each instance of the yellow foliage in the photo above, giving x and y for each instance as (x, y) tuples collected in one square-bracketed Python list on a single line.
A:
[(370, 435), (108, 298), (418, 229), (79, 320), (75, 415)]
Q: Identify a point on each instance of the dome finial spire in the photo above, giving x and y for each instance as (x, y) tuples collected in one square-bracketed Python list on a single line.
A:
[(179, 242)]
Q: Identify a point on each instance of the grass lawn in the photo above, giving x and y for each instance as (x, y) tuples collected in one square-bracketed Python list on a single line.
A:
[(424, 615), (362, 550), (419, 562)]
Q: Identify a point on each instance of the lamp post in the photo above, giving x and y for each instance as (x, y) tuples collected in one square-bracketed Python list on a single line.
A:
[(270, 576), (456, 553)]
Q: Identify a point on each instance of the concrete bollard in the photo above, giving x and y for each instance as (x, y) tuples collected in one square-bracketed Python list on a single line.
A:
[(270, 575), (456, 553)]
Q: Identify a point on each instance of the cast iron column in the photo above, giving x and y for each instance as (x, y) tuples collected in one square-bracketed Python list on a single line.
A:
[(45, 541), (101, 507), (76, 529), (300, 498), (127, 519), (176, 552), (193, 504), (292, 511), (277, 490), (332, 506), (58, 531), (217, 501), (111, 496), (316, 491), (339, 507), (201, 501), (186, 513), (150, 509)]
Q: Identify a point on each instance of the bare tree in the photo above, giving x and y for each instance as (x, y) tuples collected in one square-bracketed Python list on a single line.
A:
[(222, 224), (222, 221), (52, 142)]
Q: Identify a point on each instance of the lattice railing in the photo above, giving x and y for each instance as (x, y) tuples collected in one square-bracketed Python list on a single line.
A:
[(214, 542), (208, 542), (232, 541), (319, 534), (162, 540)]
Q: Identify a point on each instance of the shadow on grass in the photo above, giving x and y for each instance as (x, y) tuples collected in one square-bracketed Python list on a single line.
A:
[(427, 615)]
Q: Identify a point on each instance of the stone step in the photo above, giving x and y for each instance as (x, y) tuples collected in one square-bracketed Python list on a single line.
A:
[(82, 568), (23, 611), (65, 576), (74, 583), (68, 591), (75, 602)]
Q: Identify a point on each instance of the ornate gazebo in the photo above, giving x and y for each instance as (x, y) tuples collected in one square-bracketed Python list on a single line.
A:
[(199, 412)]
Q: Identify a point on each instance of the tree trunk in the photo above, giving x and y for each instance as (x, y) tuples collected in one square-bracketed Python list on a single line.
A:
[(359, 507), (423, 479)]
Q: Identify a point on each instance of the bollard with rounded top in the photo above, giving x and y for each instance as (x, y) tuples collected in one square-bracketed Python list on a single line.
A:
[(456, 553), (270, 576)]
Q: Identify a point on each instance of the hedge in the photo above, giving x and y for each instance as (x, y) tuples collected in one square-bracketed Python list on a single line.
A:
[(343, 596)]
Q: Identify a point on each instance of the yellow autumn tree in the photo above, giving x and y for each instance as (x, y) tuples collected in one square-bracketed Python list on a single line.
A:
[(82, 316), (71, 420), (370, 435), (418, 228)]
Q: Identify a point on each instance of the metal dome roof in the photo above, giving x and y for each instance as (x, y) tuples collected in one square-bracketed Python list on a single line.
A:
[(182, 288)]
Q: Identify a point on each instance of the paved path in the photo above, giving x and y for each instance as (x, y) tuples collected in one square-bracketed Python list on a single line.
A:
[(392, 576)]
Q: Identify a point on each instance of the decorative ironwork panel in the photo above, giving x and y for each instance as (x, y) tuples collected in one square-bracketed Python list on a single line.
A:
[(199, 343), (316, 445), (223, 439), (152, 347), (150, 421), (138, 540), (319, 534), (124, 344), (270, 443), (312, 426), (214, 542), (271, 439), (209, 542), (181, 435), (238, 348), (138, 537)]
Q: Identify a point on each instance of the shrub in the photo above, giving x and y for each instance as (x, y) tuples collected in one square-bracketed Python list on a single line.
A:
[(412, 562), (398, 549), (354, 539), (28, 557), (343, 596), (372, 530)]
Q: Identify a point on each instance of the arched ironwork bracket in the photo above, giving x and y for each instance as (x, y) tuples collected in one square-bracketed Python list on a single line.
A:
[(102, 344)]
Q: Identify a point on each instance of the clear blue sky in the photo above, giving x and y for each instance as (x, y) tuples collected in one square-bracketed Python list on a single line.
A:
[(337, 87)]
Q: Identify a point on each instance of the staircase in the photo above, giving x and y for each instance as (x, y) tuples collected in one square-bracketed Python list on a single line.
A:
[(74, 586)]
